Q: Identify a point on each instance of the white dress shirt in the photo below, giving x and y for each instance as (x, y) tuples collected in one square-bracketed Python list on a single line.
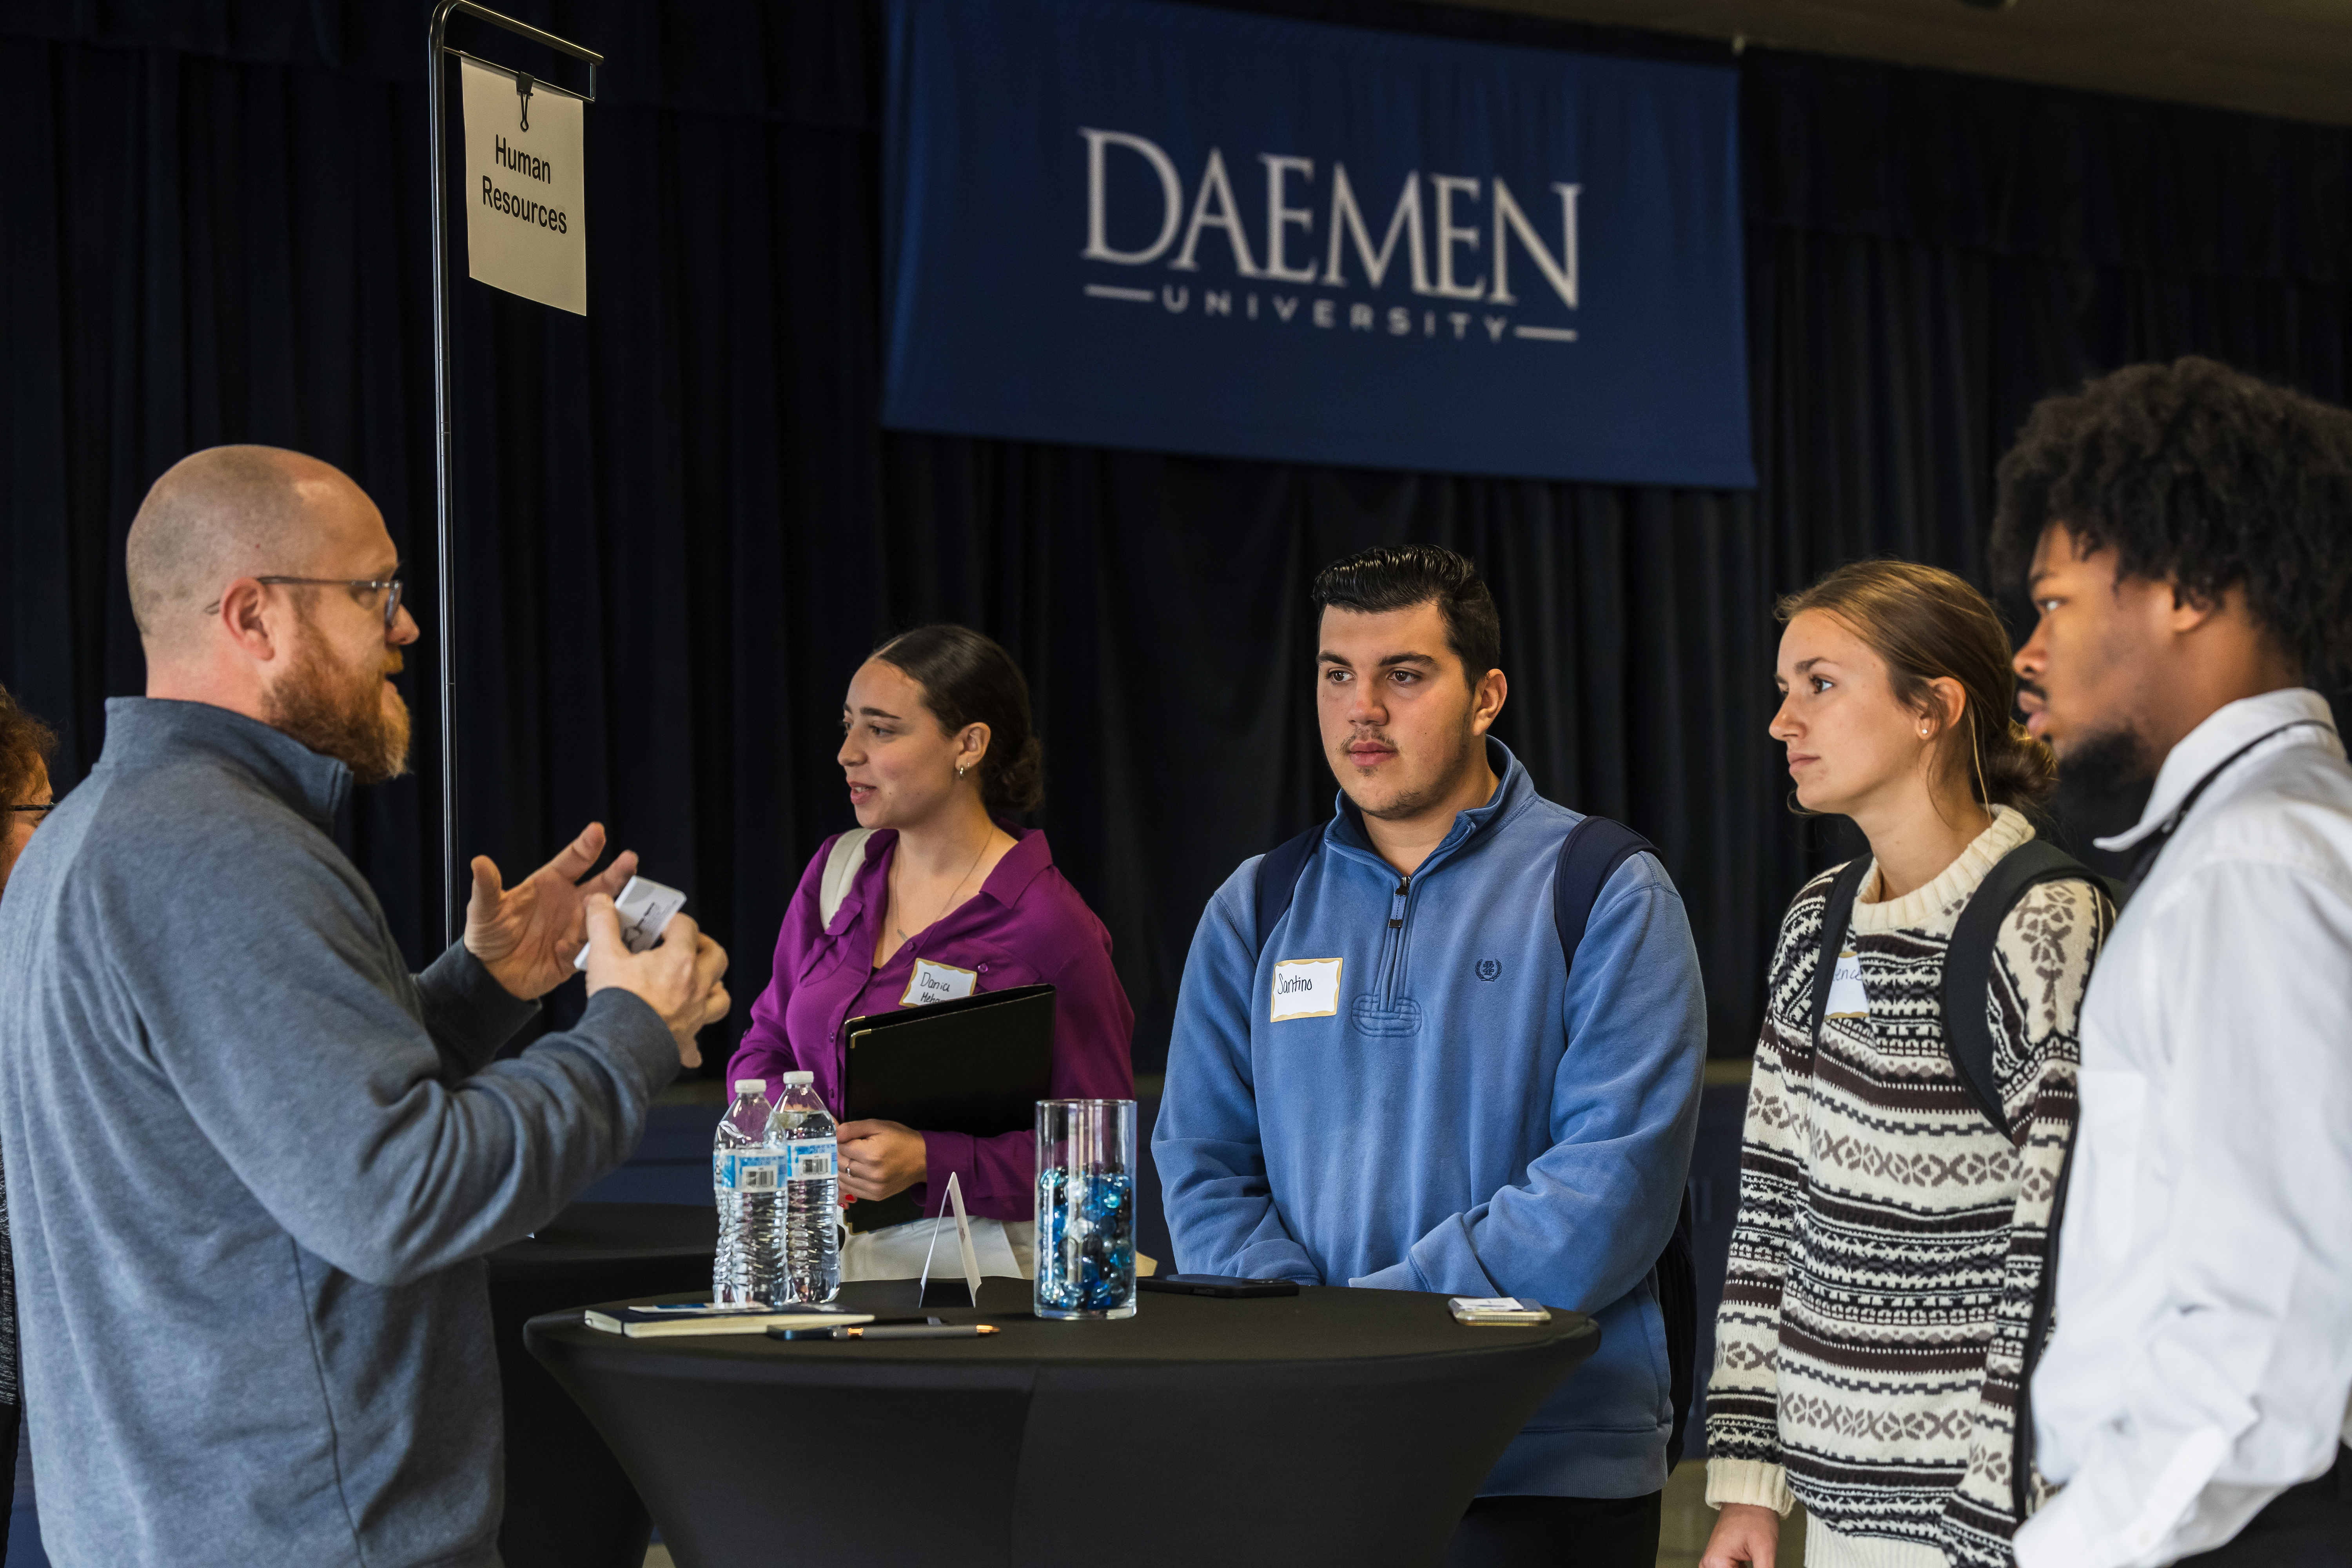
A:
[(2202, 1361)]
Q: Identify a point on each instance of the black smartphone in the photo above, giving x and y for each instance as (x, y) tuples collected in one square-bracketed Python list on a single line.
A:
[(1219, 1285)]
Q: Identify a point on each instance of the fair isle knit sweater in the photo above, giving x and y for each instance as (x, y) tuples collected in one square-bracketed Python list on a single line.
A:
[(1889, 1237)]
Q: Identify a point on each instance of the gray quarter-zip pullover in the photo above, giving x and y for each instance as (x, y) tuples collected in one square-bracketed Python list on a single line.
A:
[(253, 1164)]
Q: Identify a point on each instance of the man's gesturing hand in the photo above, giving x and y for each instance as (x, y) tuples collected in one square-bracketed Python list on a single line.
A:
[(528, 935), (680, 979)]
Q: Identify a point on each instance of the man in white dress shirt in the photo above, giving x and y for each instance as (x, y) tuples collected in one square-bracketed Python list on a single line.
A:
[(2190, 536)]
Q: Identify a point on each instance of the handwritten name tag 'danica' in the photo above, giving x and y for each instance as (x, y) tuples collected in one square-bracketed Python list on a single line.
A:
[(936, 983), (1306, 988)]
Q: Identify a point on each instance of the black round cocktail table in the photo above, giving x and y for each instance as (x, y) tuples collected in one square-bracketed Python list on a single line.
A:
[(568, 1505), (1336, 1425)]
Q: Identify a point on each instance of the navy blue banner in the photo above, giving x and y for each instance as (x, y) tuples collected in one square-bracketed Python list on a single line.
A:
[(1125, 224)]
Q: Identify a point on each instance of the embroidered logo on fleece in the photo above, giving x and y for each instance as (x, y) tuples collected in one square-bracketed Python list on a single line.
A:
[(1488, 968)]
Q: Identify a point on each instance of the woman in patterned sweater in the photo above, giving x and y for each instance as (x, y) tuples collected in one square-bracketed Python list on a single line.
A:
[(1890, 1236)]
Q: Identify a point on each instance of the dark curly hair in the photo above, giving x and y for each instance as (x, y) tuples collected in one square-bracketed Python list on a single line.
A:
[(2203, 477), (26, 747), (1399, 576), (968, 678)]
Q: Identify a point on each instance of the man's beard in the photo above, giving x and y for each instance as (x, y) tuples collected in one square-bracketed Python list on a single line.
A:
[(342, 714), (1412, 803), (2106, 760)]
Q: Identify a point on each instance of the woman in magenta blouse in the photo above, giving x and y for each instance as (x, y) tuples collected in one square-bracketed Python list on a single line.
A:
[(944, 890)]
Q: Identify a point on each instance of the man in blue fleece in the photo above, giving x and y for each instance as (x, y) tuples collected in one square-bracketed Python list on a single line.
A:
[(1409, 1089)]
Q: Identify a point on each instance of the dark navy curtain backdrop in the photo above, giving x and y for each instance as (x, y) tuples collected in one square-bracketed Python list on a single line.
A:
[(1126, 223), (681, 520)]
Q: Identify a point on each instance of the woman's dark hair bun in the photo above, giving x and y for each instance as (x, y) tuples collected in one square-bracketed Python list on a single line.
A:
[(968, 678), (1020, 783)]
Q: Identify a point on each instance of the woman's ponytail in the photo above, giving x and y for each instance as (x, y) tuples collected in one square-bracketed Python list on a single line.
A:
[(2019, 770)]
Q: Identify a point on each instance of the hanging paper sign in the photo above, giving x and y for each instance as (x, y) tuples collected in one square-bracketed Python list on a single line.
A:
[(526, 228), (1128, 224)]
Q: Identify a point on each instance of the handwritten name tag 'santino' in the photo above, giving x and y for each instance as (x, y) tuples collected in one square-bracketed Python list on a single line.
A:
[(936, 983), (1305, 988)]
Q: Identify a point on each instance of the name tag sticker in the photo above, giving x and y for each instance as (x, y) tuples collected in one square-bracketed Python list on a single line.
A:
[(1847, 998), (1306, 988), (936, 983)]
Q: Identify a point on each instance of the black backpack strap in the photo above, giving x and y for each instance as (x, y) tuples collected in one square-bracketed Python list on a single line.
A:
[(1836, 915), (1278, 878), (2037, 1331), (1588, 856), (1968, 961), (1677, 1272)]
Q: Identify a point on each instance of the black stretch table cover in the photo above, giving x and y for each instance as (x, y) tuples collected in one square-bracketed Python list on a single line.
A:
[(569, 1504), (1336, 1425)]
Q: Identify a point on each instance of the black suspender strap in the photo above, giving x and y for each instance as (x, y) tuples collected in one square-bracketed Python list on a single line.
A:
[(2153, 846), (2037, 1330)]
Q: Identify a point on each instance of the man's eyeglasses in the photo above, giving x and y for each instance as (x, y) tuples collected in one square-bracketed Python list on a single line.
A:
[(389, 585)]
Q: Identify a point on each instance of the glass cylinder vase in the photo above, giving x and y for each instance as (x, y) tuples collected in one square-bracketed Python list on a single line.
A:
[(1086, 1209)]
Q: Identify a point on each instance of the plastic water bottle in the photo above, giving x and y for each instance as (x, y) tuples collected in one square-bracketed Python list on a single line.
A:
[(744, 1180), (800, 1129)]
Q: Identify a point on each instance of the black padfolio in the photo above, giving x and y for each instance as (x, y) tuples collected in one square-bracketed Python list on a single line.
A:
[(977, 1065)]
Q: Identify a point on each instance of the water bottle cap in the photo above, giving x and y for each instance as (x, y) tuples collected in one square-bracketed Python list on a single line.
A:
[(754, 1085), (799, 1079)]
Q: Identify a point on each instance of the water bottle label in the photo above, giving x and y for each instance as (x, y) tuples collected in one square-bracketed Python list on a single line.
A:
[(746, 1171), (812, 1161)]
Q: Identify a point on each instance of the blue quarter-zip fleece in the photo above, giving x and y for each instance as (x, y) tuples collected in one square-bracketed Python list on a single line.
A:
[(1478, 1119)]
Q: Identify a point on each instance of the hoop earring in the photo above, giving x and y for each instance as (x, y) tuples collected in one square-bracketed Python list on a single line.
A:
[(958, 773)]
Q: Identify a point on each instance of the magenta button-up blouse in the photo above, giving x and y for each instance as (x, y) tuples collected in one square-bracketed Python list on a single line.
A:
[(1025, 926)]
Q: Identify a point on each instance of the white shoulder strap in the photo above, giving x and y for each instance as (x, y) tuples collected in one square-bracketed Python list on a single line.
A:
[(841, 869)]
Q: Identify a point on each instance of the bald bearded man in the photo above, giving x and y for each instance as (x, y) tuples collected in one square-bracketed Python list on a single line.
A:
[(253, 1162)]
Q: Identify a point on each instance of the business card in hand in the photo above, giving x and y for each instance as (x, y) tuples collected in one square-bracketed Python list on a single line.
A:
[(645, 907)]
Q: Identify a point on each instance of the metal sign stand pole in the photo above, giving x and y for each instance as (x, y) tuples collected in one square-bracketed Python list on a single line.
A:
[(445, 572)]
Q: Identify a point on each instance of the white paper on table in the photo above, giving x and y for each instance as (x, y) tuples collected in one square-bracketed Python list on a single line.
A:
[(646, 909)]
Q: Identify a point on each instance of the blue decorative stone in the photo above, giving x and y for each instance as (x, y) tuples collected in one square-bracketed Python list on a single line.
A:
[(1086, 1239)]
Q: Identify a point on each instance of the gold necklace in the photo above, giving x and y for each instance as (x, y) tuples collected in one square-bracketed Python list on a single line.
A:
[(949, 901)]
